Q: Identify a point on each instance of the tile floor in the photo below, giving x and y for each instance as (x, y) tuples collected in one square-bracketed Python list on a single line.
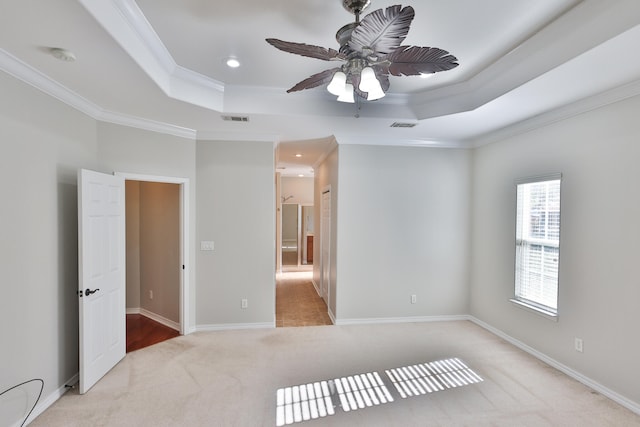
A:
[(297, 302)]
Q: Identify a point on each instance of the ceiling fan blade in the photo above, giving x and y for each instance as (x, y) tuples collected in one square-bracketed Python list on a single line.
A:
[(308, 50), (383, 77), (315, 80), (382, 31), (415, 60)]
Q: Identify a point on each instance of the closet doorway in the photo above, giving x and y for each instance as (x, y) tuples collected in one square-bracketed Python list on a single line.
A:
[(156, 233)]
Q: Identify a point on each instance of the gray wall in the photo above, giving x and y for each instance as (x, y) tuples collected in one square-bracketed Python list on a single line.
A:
[(236, 210), (124, 149), (412, 209), (403, 229), (599, 295), (43, 143), (160, 266), (153, 248)]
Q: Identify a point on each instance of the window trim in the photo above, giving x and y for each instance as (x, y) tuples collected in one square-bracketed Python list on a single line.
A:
[(532, 306)]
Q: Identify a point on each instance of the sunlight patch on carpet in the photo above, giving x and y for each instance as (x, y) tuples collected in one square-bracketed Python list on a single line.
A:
[(320, 399)]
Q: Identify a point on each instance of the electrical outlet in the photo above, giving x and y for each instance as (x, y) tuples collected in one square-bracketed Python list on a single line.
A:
[(578, 345), (206, 245), (244, 303), (414, 299), (150, 294)]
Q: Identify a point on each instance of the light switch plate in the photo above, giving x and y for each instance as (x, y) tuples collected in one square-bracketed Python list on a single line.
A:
[(206, 245)]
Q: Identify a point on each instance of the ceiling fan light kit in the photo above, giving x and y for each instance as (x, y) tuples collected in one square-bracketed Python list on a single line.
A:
[(371, 51)]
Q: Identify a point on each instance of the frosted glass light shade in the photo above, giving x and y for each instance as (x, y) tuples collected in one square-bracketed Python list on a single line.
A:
[(337, 84), (368, 80), (369, 83), (347, 95)]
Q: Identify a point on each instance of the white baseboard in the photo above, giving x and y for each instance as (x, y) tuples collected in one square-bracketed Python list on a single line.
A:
[(332, 316), (315, 285), (160, 319), (163, 320), (616, 397), (49, 400), (234, 326), (414, 319), (153, 316)]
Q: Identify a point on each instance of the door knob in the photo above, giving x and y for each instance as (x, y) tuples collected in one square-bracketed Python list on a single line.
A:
[(89, 291)]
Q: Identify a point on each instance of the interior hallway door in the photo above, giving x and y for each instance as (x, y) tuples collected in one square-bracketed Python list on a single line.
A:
[(102, 277)]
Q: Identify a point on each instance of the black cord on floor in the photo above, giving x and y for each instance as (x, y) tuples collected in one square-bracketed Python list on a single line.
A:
[(37, 399)]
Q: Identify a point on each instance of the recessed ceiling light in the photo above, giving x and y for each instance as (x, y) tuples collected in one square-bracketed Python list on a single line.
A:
[(62, 54), (298, 155), (233, 63), (301, 175)]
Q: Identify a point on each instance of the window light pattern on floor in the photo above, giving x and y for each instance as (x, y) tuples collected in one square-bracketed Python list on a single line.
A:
[(319, 399), (303, 403), (425, 378)]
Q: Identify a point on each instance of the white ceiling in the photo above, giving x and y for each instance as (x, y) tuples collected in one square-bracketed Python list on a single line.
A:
[(160, 65)]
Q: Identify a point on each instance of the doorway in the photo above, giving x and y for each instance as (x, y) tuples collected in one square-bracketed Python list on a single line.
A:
[(297, 237), (156, 238)]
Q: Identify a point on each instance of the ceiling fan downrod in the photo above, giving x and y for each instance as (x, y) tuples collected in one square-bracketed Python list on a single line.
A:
[(356, 7)]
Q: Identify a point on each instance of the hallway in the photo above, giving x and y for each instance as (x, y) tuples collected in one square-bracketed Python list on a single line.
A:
[(297, 302)]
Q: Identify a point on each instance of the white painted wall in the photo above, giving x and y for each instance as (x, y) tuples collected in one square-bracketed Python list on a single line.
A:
[(236, 210), (42, 144), (599, 295), (300, 188), (403, 229)]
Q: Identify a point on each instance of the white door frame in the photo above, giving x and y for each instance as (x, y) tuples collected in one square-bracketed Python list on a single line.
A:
[(184, 239), (325, 245)]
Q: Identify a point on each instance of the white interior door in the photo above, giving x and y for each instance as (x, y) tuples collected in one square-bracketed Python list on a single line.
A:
[(325, 244), (102, 276)]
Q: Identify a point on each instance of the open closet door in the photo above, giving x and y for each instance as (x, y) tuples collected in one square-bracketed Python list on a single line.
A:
[(102, 275)]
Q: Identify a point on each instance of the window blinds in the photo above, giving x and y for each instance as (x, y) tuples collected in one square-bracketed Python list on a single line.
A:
[(538, 243)]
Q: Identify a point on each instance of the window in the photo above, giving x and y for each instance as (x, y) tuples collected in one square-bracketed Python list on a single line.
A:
[(538, 243)]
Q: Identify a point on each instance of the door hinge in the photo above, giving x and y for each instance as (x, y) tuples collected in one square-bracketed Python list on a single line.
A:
[(79, 293), (183, 266)]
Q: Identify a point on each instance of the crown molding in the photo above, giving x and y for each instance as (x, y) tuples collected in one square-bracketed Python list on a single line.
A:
[(146, 124), (383, 140), (585, 105), (574, 32), (127, 25), (33, 77), (29, 75), (237, 136), (543, 51)]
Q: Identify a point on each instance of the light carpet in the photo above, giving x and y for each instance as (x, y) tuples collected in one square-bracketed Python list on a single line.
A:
[(230, 378)]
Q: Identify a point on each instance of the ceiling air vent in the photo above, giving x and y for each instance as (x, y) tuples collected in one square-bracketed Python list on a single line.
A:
[(403, 125), (235, 118)]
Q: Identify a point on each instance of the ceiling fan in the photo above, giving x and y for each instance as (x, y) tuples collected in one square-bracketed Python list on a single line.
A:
[(371, 50)]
